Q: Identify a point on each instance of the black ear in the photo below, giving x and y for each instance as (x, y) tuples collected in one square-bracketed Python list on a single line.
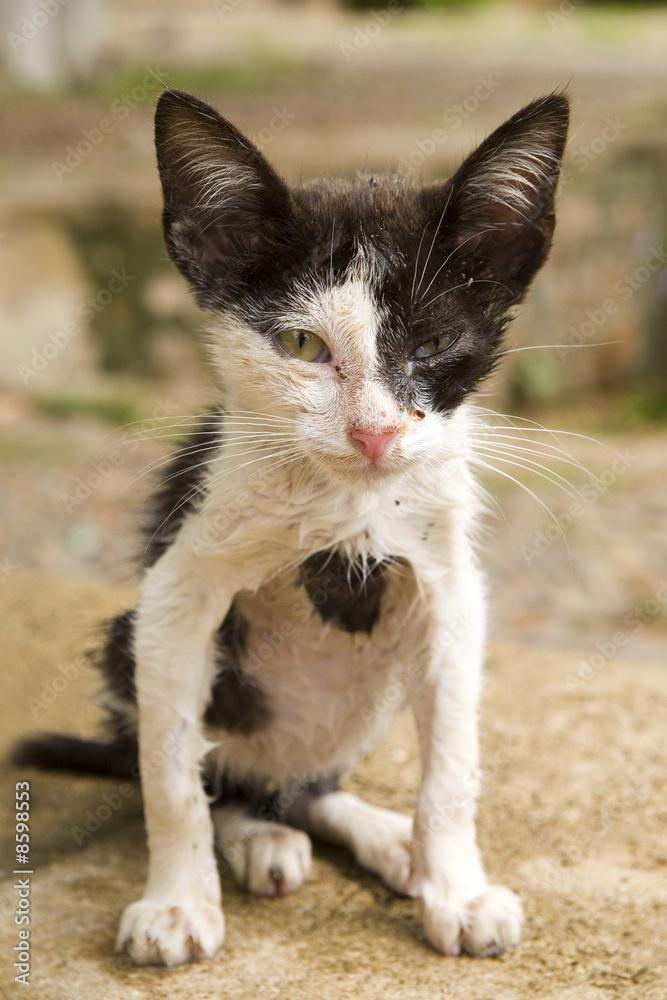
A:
[(500, 202), (227, 214)]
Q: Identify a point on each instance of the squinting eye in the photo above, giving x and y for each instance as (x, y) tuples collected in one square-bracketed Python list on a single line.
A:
[(436, 345), (304, 345)]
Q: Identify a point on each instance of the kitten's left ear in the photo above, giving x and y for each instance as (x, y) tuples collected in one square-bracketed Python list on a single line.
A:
[(227, 214), (500, 202)]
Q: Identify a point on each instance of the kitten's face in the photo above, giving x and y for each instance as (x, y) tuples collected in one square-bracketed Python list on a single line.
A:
[(357, 316), (313, 353)]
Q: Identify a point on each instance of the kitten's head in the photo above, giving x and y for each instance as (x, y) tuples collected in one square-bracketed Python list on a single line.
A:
[(359, 314)]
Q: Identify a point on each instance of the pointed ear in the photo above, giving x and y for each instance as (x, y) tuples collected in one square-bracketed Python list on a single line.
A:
[(226, 211), (501, 200)]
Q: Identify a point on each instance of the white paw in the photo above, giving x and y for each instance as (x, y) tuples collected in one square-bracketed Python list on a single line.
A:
[(383, 844), (271, 862), (393, 863), (485, 927), (160, 934)]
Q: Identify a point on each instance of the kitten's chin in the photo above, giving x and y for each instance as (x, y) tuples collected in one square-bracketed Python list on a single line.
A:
[(355, 470)]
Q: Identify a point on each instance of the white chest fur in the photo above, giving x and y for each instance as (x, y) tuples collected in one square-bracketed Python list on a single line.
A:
[(331, 693)]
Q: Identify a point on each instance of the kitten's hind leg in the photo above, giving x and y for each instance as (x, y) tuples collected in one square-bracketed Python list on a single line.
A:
[(381, 840), (267, 858)]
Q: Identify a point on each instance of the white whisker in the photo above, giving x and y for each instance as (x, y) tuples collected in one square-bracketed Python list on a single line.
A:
[(203, 487), (450, 255), (517, 482), (285, 459), (539, 448), (163, 461), (467, 284), (546, 347), (419, 250), (529, 465), (435, 236), (534, 426)]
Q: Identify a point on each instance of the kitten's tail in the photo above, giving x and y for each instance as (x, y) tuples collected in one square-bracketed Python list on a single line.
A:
[(52, 752)]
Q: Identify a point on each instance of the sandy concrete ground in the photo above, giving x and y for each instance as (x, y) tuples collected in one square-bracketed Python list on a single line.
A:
[(572, 816)]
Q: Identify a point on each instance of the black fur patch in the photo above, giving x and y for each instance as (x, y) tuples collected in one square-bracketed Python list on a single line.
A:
[(263, 804), (342, 592), (178, 492), (238, 704), (53, 752), (115, 659)]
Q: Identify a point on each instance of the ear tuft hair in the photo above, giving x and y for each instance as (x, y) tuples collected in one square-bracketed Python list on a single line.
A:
[(226, 211), (501, 200)]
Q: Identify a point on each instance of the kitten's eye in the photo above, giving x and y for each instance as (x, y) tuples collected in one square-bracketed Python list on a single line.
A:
[(304, 345), (436, 345)]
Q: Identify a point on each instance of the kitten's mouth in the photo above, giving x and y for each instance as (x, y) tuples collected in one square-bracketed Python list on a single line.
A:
[(359, 468), (378, 467)]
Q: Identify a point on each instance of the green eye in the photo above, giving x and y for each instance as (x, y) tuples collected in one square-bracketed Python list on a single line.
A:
[(436, 345), (304, 345)]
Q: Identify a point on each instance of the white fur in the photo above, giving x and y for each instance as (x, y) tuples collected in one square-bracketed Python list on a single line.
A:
[(380, 840), (267, 858), (268, 504)]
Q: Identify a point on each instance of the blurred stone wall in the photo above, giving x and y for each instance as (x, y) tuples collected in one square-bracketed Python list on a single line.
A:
[(85, 279)]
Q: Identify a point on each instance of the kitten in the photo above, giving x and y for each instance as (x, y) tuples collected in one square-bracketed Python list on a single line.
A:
[(310, 556)]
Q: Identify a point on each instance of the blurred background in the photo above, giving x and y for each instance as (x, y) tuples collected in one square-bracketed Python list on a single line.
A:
[(100, 346)]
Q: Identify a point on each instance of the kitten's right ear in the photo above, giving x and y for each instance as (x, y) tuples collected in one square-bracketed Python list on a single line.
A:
[(226, 211)]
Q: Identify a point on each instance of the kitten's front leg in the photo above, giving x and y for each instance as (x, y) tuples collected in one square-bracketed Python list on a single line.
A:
[(179, 917), (461, 911)]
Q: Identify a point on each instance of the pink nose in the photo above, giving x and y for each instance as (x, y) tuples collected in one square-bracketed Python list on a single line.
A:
[(373, 445)]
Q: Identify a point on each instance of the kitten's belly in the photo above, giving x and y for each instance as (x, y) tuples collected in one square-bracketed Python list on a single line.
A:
[(330, 694)]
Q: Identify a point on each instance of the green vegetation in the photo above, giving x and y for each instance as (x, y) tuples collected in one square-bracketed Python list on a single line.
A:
[(116, 410)]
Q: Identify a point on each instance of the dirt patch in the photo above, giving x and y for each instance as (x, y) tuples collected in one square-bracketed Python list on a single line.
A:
[(572, 816)]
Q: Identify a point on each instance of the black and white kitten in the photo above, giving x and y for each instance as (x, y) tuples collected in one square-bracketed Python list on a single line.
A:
[(311, 550)]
